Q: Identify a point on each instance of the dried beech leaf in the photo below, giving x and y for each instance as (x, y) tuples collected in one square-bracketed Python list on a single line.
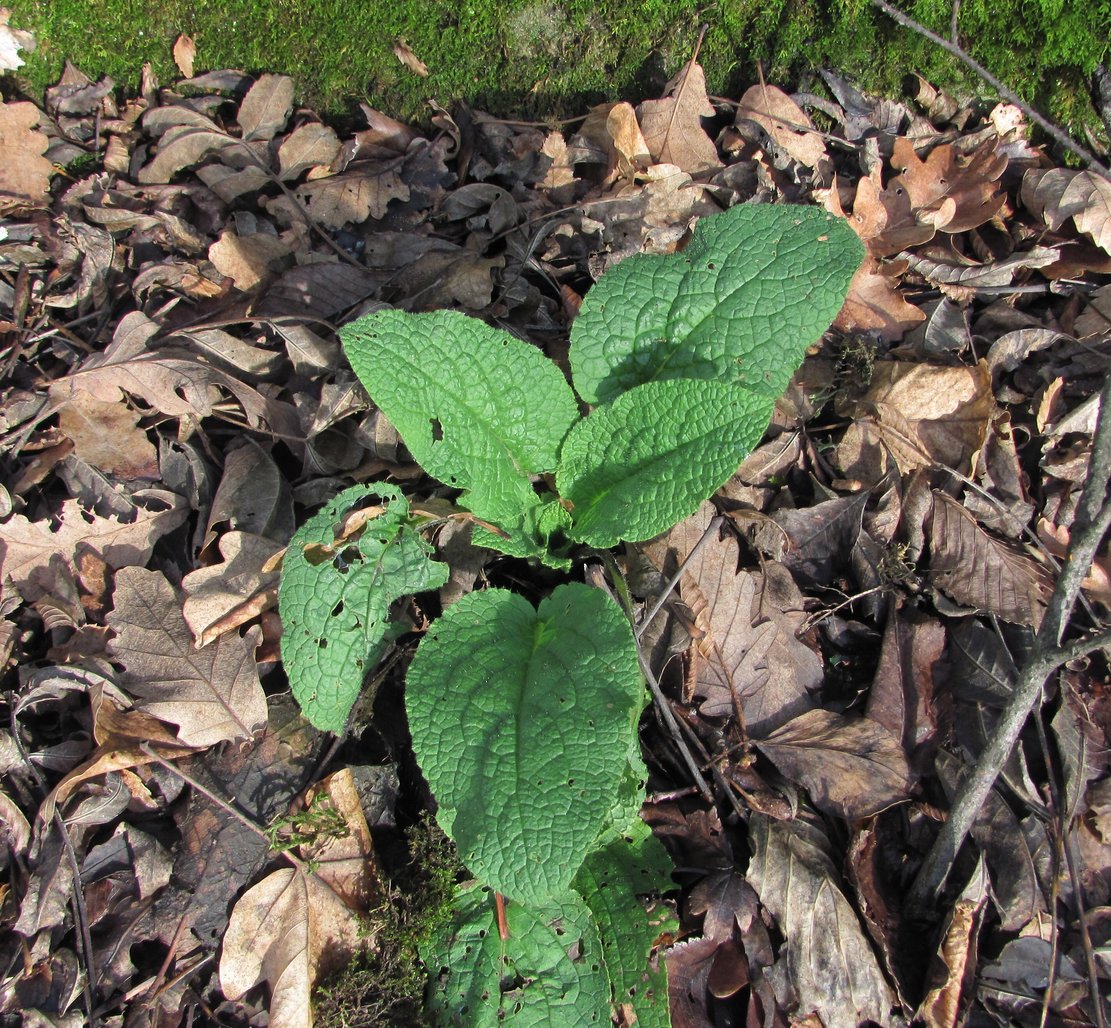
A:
[(829, 961), (852, 767), (672, 126), (978, 570), (265, 108), (181, 149), (213, 694)]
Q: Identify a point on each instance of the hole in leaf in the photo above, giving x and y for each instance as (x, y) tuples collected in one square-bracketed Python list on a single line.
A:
[(322, 643), (437, 430), (337, 609)]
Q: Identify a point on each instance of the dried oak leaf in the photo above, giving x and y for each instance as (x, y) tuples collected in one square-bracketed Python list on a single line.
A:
[(27, 545), (852, 767), (884, 218), (212, 694), (977, 570), (828, 960), (11, 42), (24, 172), (362, 192), (951, 190), (747, 647), (875, 304), (248, 260), (785, 121), (672, 126), (292, 929)]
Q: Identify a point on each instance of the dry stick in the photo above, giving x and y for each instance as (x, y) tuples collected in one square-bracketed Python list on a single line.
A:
[(1092, 520), (1057, 133), (714, 525)]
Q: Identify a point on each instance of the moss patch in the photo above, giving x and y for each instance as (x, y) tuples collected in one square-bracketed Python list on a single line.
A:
[(553, 57)]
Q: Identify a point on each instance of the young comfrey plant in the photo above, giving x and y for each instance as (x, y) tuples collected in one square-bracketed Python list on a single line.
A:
[(524, 719)]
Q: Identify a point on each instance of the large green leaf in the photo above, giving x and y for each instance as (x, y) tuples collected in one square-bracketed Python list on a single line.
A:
[(630, 866), (755, 287), (549, 972), (521, 721), (478, 408), (636, 466), (335, 598)]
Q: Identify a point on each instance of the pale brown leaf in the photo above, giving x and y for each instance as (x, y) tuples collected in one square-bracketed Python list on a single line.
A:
[(411, 61), (965, 273), (212, 694), (266, 107), (916, 415), (28, 545), (358, 194), (748, 649), (1058, 194), (876, 304), (220, 598), (852, 767), (672, 126), (248, 260), (11, 42), (977, 570), (108, 436), (788, 124), (828, 959), (288, 931), (311, 145), (185, 51), (182, 148), (24, 172)]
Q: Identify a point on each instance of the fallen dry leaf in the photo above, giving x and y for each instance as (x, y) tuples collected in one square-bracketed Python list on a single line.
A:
[(185, 51), (11, 42), (312, 145), (978, 570), (852, 767), (24, 172), (220, 598), (265, 109), (876, 304), (411, 61), (827, 958), (251, 260), (915, 415), (785, 121), (672, 126), (107, 436), (362, 192), (1058, 194), (212, 694)]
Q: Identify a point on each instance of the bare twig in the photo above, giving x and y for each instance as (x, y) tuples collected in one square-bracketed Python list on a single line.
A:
[(1092, 520), (711, 530), (1059, 134)]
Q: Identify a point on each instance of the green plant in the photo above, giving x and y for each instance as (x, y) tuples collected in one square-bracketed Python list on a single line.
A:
[(524, 719)]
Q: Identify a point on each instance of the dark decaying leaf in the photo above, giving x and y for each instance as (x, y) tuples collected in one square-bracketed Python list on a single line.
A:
[(826, 957), (852, 767), (978, 570)]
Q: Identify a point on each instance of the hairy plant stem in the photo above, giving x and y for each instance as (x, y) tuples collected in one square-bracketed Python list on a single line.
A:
[(1092, 520)]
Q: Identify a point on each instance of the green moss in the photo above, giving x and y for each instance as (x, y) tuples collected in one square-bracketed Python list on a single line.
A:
[(554, 57)]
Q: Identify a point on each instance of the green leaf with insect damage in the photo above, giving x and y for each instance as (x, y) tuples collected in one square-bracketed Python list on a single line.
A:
[(336, 592)]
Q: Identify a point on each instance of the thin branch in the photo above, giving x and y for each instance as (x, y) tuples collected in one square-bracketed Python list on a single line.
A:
[(711, 530), (1092, 520), (1046, 125)]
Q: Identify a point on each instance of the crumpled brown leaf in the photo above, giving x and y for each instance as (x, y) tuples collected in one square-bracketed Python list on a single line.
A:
[(212, 694), (108, 436), (1057, 194), (672, 127)]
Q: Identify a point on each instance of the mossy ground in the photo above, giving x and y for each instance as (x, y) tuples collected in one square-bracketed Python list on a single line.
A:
[(543, 58)]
